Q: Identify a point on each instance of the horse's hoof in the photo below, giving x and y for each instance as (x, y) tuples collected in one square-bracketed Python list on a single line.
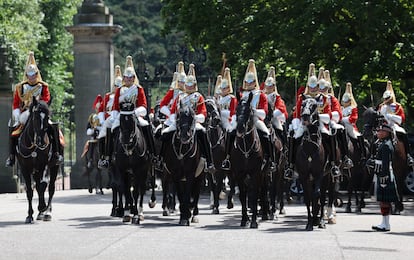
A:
[(90, 190), (243, 223), (358, 210), (332, 221), (47, 217), (282, 212), (230, 205), (40, 216), (152, 203), (119, 213), (136, 220), (126, 219), (265, 217), (254, 225), (113, 213), (29, 220), (309, 227), (348, 209), (215, 211), (184, 222), (195, 219), (165, 213), (211, 206), (141, 217)]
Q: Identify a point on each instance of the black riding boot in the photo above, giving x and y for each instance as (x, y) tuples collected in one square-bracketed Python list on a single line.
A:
[(410, 160), (147, 131), (205, 147), (101, 151), (226, 165), (332, 157), (56, 151), (290, 158), (361, 144), (343, 145), (107, 143), (12, 149), (265, 141)]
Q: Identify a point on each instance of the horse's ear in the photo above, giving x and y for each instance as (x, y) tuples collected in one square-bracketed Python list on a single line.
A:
[(238, 95), (34, 100)]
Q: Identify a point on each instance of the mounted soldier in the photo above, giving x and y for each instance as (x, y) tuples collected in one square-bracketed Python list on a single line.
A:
[(132, 92), (191, 97), (227, 105), (105, 140), (394, 115), (276, 104), (31, 86), (296, 129), (336, 131), (93, 128), (349, 118), (260, 106)]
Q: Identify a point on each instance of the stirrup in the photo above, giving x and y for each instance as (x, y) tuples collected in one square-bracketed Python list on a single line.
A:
[(288, 174), (103, 164), (10, 161), (335, 171), (58, 157), (348, 164), (226, 165)]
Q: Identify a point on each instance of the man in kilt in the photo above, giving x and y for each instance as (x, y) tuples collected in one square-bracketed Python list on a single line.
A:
[(386, 185)]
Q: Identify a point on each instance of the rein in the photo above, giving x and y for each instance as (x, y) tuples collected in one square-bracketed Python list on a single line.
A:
[(255, 145), (129, 148)]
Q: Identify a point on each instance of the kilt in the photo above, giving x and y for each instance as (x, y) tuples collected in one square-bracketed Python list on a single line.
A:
[(388, 193)]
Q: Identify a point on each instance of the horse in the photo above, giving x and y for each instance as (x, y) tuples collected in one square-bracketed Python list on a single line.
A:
[(310, 159), (132, 163), (167, 183), (182, 160), (216, 135), (358, 178), (246, 159), (91, 155), (372, 119), (34, 158)]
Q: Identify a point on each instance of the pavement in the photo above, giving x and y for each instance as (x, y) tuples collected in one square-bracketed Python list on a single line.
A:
[(81, 228)]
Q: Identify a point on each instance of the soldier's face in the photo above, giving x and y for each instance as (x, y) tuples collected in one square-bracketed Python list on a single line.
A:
[(32, 78), (129, 80)]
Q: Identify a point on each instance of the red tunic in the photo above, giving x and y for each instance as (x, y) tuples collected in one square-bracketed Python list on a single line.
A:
[(280, 104), (352, 114), (141, 100), (21, 90), (335, 105), (396, 109), (198, 103)]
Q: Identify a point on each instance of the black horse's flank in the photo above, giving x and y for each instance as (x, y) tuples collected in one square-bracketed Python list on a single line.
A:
[(131, 165), (182, 161), (310, 157), (34, 153)]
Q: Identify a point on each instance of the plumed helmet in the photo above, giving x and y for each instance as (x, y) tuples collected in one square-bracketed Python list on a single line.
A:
[(226, 82), (389, 93), (348, 95), (118, 77), (31, 68), (327, 77), (250, 76), (191, 80), (320, 74), (174, 84), (271, 80), (217, 89), (129, 70), (323, 84), (97, 103), (312, 79), (181, 72)]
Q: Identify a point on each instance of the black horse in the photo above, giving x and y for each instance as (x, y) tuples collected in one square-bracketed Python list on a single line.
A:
[(132, 163), (358, 178), (216, 135), (168, 188), (182, 156), (92, 156), (246, 160), (310, 163), (372, 119), (34, 157)]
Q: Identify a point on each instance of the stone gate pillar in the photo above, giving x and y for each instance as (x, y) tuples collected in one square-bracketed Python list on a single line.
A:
[(93, 71), (7, 182)]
